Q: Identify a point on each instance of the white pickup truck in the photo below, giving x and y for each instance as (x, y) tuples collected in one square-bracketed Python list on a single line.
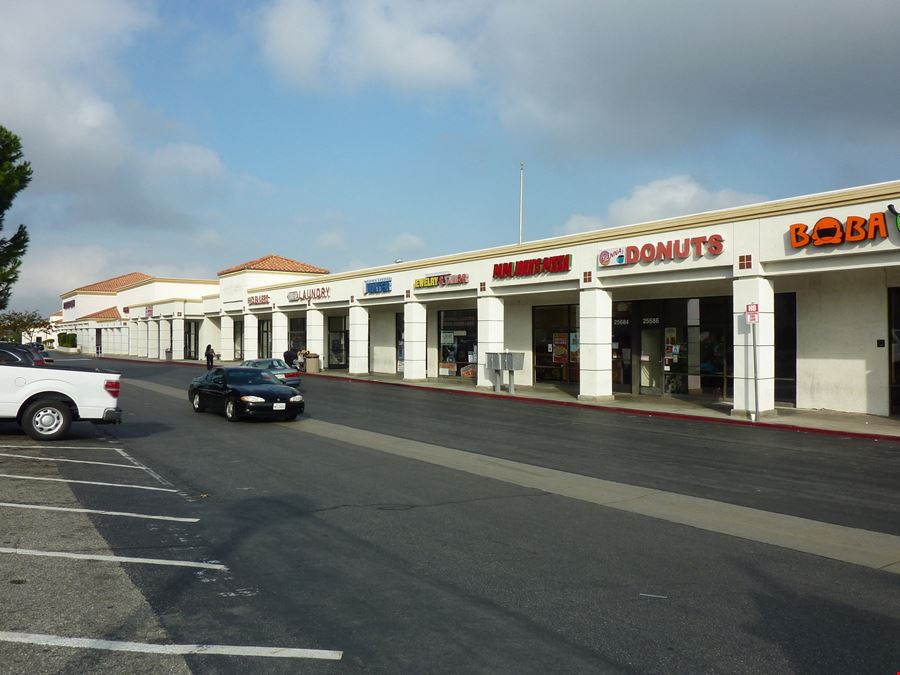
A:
[(45, 400)]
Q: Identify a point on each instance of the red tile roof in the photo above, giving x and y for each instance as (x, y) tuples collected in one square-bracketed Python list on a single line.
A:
[(114, 284), (108, 313), (276, 263)]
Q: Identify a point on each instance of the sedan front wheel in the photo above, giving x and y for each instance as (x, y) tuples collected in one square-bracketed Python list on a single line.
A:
[(195, 402), (231, 413)]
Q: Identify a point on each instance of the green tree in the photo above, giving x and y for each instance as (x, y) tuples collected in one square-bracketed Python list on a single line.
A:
[(15, 174), (23, 325)]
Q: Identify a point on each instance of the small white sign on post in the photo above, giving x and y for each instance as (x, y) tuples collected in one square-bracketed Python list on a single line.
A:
[(752, 313)]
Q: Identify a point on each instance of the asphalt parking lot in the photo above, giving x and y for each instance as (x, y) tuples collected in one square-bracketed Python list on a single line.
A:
[(396, 531), (62, 584)]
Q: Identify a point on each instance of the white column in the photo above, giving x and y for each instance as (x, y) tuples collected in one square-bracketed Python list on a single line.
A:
[(756, 290), (117, 340), (153, 339), (359, 340), (226, 340), (251, 336), (490, 335), (133, 338), (595, 352), (165, 337), (178, 339), (209, 335), (279, 334), (315, 333), (414, 340), (143, 332)]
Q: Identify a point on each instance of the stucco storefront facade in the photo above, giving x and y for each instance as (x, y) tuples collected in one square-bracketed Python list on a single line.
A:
[(656, 308)]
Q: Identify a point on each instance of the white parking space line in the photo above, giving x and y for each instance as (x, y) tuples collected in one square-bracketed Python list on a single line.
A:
[(113, 558), (74, 461), (59, 447), (89, 482), (123, 514), (178, 650), (147, 469)]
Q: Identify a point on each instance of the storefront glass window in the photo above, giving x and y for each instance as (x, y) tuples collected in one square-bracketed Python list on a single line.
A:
[(264, 335), (786, 348), (297, 333), (191, 340), (239, 340), (338, 341), (621, 347), (399, 327), (458, 342), (557, 344), (894, 302)]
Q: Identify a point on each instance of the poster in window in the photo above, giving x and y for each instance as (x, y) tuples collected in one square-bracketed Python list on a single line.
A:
[(560, 347), (574, 347)]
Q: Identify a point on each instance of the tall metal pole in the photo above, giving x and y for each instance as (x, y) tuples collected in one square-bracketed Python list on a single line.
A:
[(521, 197)]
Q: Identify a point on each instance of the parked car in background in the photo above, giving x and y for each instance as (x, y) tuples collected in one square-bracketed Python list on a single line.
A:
[(244, 392), (21, 355), (286, 374)]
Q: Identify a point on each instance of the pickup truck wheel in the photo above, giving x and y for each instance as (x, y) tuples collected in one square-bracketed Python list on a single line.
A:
[(47, 420), (231, 413), (195, 402)]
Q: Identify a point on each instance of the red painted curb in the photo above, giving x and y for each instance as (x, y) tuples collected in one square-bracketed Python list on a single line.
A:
[(576, 404)]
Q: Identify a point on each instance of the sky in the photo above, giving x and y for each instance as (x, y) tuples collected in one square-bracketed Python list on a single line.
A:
[(181, 138)]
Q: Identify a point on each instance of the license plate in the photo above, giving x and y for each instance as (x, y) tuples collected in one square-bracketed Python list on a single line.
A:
[(279, 406)]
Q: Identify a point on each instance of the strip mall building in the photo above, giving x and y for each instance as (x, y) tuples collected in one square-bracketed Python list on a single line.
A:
[(672, 307)]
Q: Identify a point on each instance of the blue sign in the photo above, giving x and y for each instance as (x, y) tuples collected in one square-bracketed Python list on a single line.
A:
[(378, 286)]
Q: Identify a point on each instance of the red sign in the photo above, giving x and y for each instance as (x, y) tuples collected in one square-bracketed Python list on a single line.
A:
[(830, 231), (675, 249), (258, 299), (320, 293), (533, 266), (148, 311)]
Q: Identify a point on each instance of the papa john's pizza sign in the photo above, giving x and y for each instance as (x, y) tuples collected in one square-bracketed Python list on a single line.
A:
[(533, 266)]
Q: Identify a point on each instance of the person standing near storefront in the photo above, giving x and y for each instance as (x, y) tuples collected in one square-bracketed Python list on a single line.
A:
[(210, 354), (290, 356)]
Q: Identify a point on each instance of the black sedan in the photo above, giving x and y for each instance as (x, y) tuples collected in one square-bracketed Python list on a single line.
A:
[(244, 392)]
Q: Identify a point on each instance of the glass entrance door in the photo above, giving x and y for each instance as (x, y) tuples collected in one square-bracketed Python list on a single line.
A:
[(651, 360)]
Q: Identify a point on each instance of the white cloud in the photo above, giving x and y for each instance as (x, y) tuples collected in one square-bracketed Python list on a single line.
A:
[(295, 35), (664, 198), (403, 44), (331, 239), (405, 243), (72, 107)]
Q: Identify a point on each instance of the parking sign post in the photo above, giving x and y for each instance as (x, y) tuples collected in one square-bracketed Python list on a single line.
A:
[(752, 314)]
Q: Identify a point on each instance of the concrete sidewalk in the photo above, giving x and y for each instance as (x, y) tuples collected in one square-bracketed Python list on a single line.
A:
[(822, 421)]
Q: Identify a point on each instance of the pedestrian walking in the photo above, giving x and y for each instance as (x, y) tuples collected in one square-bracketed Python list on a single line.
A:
[(210, 355)]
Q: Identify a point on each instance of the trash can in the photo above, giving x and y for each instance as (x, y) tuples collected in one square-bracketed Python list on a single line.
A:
[(168, 355), (313, 365)]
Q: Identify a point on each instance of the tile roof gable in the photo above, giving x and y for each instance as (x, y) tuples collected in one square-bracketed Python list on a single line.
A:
[(275, 263)]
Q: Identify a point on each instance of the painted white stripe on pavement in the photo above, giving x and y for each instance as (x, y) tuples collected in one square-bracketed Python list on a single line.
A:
[(75, 461), (89, 482), (150, 472), (113, 558), (179, 650), (102, 513), (59, 447)]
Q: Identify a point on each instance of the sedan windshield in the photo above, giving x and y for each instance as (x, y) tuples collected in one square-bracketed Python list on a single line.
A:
[(251, 377)]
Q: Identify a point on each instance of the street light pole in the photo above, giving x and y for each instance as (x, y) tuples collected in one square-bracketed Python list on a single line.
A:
[(521, 197)]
